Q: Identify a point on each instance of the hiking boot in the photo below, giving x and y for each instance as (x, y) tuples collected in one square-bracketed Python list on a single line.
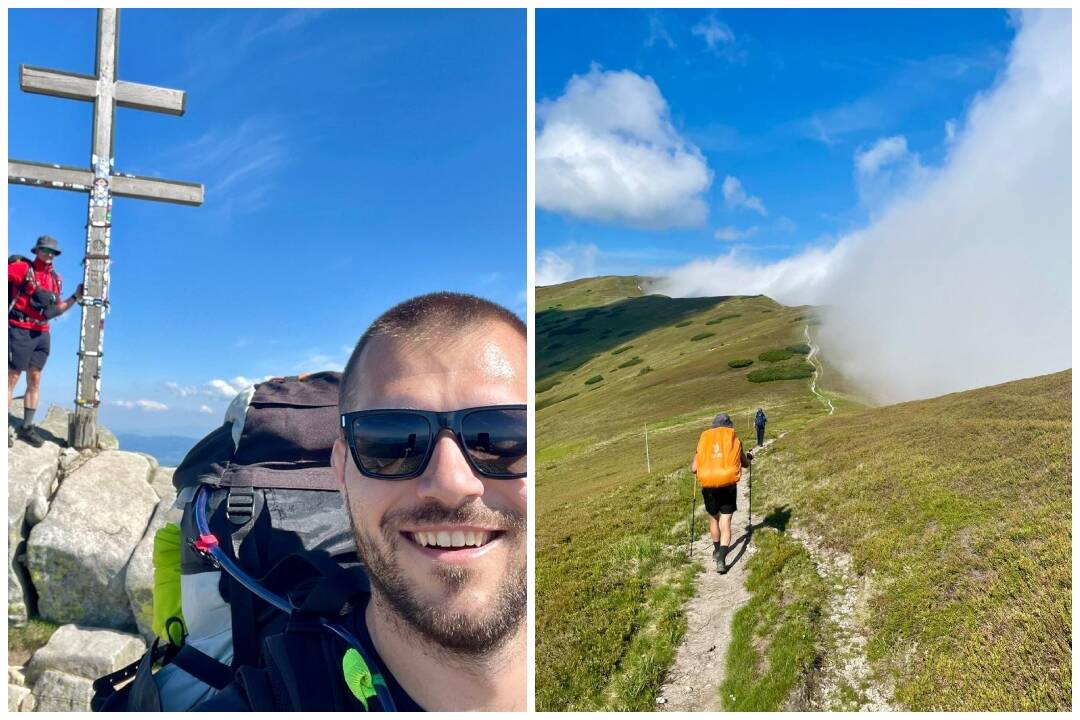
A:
[(720, 566), (31, 436), (715, 552)]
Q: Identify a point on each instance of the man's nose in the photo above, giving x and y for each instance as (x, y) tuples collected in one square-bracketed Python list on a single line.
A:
[(449, 478)]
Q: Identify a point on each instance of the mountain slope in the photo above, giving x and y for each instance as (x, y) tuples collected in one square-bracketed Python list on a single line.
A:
[(610, 578), (957, 510)]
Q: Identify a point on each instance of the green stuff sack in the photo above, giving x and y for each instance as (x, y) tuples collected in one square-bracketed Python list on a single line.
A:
[(168, 611)]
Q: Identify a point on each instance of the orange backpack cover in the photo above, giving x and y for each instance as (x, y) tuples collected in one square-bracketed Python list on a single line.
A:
[(719, 458)]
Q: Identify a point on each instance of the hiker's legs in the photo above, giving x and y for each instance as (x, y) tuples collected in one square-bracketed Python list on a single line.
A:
[(761, 436), (33, 387), (725, 529), (714, 529), (12, 381)]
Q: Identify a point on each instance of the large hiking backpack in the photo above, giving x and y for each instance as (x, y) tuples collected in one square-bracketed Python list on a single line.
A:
[(719, 458), (41, 300), (264, 484)]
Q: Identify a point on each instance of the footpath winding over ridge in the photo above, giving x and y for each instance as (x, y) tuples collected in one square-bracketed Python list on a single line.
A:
[(693, 680), (812, 359)]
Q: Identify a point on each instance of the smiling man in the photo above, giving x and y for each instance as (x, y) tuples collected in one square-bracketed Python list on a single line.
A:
[(432, 464)]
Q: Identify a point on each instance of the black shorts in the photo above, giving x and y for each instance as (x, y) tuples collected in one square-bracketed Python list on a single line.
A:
[(721, 500), (27, 349)]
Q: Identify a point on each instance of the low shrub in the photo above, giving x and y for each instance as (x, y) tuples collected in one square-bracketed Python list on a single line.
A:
[(745, 362), (800, 349), (684, 323), (632, 361), (623, 349), (546, 385), (721, 319), (644, 370), (551, 401), (781, 372), (775, 355), (594, 379), (702, 336)]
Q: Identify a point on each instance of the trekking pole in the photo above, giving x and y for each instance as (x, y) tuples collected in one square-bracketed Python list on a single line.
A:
[(750, 502), (693, 509)]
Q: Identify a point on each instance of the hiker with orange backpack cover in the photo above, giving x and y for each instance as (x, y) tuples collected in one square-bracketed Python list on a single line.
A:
[(718, 465)]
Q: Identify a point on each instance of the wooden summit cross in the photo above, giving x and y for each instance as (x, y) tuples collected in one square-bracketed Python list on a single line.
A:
[(102, 184)]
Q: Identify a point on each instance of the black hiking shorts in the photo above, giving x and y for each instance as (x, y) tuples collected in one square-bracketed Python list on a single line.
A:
[(27, 349), (721, 500)]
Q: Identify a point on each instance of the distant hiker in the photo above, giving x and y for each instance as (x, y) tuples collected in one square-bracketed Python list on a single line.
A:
[(759, 424), (33, 299), (431, 463), (718, 464)]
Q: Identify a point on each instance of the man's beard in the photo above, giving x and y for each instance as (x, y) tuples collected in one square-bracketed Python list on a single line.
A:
[(462, 632)]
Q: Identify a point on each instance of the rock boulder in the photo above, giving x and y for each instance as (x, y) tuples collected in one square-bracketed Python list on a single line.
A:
[(32, 478), (77, 555)]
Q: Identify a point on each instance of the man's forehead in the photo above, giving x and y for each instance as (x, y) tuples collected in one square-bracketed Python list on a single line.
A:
[(487, 363)]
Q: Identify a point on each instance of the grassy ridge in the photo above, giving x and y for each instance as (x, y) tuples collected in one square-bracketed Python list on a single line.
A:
[(960, 506), (611, 575)]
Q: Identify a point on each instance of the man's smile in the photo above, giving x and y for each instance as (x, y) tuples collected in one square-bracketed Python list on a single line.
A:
[(453, 543)]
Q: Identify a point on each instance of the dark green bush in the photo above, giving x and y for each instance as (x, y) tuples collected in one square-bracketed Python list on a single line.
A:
[(746, 362), (684, 323), (775, 355), (702, 336), (545, 385), (623, 349), (781, 372), (644, 370), (551, 401), (721, 319), (632, 361), (800, 349), (594, 379)]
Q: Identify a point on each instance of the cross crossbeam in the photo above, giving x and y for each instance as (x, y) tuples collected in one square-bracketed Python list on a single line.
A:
[(102, 183)]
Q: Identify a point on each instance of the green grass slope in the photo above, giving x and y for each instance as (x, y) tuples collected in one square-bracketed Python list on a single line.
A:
[(611, 569), (959, 509)]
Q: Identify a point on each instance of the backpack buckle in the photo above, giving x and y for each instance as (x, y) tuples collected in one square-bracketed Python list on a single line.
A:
[(240, 504)]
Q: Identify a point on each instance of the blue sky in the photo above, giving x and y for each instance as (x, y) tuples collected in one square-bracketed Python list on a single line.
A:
[(781, 101), (351, 159)]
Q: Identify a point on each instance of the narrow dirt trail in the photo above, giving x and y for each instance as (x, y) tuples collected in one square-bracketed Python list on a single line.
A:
[(693, 680), (818, 369)]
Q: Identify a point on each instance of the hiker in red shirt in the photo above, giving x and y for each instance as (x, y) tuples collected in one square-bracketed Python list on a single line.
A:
[(34, 289)]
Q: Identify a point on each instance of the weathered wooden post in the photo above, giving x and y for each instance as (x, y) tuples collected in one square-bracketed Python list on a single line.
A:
[(102, 183)]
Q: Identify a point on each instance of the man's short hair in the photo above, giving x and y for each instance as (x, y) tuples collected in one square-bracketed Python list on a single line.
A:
[(410, 320)]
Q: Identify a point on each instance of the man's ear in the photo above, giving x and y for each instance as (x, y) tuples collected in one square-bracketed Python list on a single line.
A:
[(339, 455)]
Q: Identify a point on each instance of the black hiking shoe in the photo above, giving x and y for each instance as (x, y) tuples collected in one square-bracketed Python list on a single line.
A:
[(31, 436), (720, 566)]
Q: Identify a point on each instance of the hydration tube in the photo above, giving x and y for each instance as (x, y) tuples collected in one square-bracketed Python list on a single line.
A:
[(207, 545)]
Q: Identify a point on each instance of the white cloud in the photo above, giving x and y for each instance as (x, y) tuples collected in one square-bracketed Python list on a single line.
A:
[(657, 32), (569, 262), (607, 151), (886, 168), (206, 410), (146, 405), (735, 196), (227, 389), (719, 38), (181, 390), (732, 233), (950, 130), (964, 280)]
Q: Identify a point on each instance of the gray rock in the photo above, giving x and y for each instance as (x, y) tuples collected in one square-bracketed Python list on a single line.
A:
[(83, 652), (53, 426), (15, 675), (77, 555), (60, 692), (106, 440), (154, 464), (32, 474), (139, 576), (19, 699), (162, 483)]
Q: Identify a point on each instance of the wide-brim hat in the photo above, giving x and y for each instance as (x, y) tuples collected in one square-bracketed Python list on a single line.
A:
[(49, 242)]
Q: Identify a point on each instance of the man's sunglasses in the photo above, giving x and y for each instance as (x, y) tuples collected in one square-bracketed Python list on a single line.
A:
[(397, 444), (48, 251)]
